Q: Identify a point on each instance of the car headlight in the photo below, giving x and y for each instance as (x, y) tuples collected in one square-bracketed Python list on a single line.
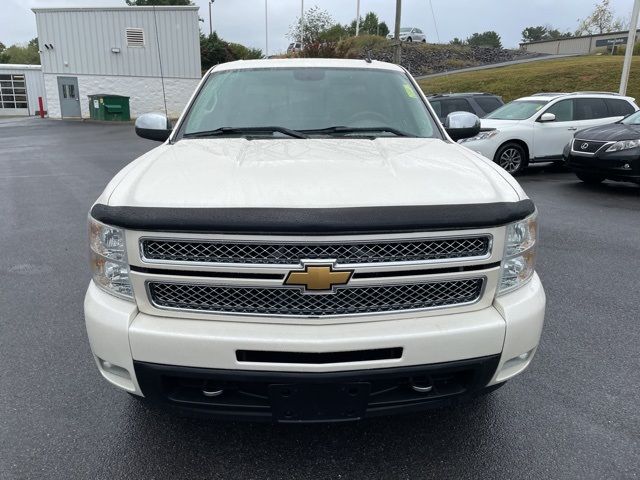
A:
[(519, 254), (108, 259), (481, 136), (624, 145)]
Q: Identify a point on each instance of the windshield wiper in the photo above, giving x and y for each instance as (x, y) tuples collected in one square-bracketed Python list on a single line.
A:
[(243, 130), (345, 130)]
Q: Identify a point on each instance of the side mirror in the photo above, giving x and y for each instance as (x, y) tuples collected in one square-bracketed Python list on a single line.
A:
[(153, 126), (461, 125), (547, 117)]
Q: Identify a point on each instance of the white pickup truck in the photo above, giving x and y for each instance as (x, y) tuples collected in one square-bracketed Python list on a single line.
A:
[(310, 244)]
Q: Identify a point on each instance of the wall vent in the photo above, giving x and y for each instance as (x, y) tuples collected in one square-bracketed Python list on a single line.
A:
[(135, 37)]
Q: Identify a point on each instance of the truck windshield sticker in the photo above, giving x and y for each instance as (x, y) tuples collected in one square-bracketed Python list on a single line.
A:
[(411, 93)]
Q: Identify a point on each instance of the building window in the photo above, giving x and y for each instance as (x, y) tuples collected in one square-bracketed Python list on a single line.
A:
[(13, 93), (135, 37)]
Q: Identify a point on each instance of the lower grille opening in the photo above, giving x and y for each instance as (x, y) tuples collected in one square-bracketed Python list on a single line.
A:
[(311, 397), (318, 358)]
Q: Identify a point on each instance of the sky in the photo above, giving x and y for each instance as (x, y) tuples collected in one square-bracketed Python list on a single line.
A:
[(243, 21)]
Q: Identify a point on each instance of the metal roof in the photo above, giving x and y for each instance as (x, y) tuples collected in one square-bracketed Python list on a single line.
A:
[(113, 9)]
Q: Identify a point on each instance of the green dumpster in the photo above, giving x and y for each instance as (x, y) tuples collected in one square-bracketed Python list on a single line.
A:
[(104, 106)]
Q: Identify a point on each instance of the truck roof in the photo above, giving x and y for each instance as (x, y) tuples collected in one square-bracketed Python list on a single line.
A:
[(306, 62)]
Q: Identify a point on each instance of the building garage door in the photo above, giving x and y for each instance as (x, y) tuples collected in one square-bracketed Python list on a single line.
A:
[(13, 95)]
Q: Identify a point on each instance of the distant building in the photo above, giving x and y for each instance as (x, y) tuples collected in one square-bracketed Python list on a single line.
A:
[(578, 45), (118, 50), (20, 88)]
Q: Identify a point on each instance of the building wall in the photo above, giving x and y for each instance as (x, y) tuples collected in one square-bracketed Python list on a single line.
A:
[(83, 39), (34, 85), (576, 45), (145, 93)]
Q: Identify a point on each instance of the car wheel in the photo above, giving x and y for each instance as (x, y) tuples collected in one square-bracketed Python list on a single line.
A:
[(590, 178), (424, 40), (511, 157), (409, 39)]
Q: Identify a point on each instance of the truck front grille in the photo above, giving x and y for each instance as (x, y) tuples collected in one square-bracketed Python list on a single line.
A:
[(292, 253), (292, 302)]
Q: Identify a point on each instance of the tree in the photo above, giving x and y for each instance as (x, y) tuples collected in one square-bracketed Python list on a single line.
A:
[(457, 41), (601, 20), (334, 34), (145, 3), (542, 32), (316, 23), (485, 39), (214, 50), (371, 25), (26, 53)]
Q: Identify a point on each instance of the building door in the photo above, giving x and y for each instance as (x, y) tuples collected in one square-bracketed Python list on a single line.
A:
[(69, 96)]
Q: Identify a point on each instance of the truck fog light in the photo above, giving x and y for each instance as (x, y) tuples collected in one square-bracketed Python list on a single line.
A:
[(521, 359), (114, 369)]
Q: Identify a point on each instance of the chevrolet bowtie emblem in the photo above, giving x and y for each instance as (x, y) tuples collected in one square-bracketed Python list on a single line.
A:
[(318, 278)]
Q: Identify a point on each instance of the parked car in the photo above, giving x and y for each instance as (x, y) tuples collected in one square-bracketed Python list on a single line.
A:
[(410, 34), (310, 244), (295, 47), (537, 128), (480, 104), (607, 152)]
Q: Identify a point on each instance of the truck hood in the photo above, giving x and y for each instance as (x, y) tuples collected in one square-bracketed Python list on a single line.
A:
[(314, 173)]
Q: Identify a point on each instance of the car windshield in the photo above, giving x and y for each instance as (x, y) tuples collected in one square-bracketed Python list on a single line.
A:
[(517, 110), (405, 29), (277, 102), (633, 119)]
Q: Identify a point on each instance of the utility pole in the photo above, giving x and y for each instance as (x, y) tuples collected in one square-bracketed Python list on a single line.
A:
[(302, 24), (628, 54), (357, 17), (210, 22), (397, 52), (266, 29)]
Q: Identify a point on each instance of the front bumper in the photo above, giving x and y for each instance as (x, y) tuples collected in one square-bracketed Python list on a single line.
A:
[(621, 166), (133, 350)]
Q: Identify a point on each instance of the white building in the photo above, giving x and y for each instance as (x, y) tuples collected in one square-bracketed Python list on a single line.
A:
[(20, 88), (126, 51)]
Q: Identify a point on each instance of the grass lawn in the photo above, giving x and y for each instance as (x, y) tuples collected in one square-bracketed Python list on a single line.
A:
[(601, 73)]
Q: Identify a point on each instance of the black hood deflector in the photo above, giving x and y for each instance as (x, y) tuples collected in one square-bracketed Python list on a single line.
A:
[(314, 221)]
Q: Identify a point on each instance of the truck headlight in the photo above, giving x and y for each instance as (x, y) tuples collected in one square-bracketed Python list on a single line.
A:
[(519, 254), (108, 259)]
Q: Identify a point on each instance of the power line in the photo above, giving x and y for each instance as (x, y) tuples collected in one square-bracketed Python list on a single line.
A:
[(435, 24)]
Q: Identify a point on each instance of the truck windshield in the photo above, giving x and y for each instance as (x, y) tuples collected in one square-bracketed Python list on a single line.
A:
[(277, 102), (517, 110)]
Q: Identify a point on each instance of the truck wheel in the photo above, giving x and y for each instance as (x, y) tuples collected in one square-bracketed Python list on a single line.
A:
[(511, 157), (590, 178)]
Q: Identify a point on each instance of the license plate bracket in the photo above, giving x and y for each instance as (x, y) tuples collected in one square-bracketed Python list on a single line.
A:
[(318, 402)]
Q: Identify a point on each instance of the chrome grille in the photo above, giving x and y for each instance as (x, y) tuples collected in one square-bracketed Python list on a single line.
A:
[(292, 302), (590, 146), (293, 253)]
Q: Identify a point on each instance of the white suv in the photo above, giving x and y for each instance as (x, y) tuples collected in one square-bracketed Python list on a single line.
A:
[(310, 244), (537, 128)]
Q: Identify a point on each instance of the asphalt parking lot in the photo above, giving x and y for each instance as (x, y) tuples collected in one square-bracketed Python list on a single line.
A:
[(574, 414)]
